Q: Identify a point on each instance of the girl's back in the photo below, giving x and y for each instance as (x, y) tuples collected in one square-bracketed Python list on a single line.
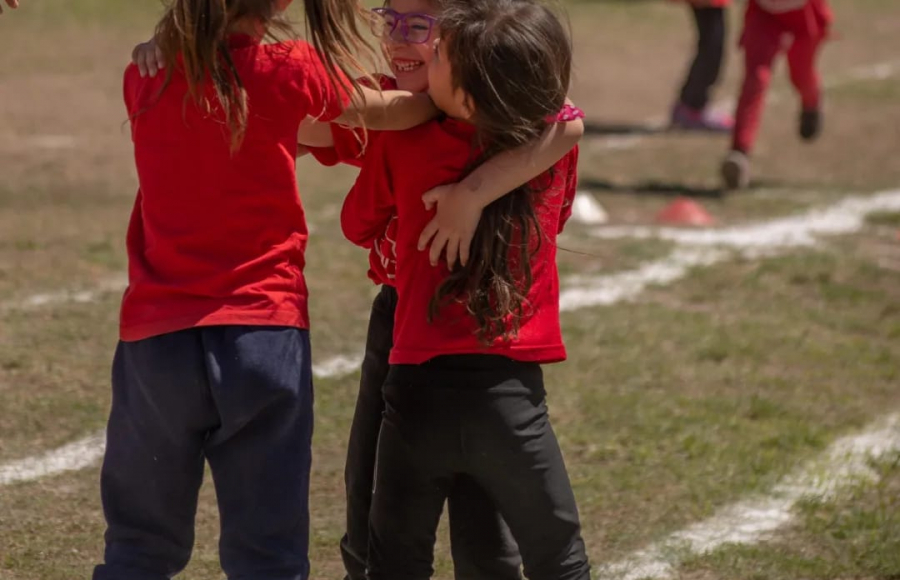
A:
[(217, 235)]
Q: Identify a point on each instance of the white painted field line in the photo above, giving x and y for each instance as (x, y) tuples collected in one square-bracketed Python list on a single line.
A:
[(752, 520), (844, 217), (707, 247), (112, 284), (78, 455), (603, 290), (337, 366)]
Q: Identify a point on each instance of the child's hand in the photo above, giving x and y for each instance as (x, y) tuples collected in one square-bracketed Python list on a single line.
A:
[(148, 58), (11, 4), (453, 226)]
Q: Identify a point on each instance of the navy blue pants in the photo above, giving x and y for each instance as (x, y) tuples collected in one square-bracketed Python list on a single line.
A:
[(239, 397)]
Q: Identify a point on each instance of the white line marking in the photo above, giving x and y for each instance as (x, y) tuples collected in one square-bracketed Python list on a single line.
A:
[(844, 217), (603, 290), (78, 455), (751, 520), (337, 366), (51, 142), (112, 284)]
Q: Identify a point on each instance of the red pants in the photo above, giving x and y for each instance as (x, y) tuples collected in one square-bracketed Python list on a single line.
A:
[(763, 39)]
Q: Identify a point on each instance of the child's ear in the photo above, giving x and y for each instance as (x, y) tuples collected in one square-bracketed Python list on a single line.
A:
[(468, 105)]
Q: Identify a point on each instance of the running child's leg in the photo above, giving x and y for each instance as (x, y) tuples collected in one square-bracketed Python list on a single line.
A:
[(704, 71), (762, 43), (804, 75), (480, 541), (359, 469), (261, 382), (153, 466)]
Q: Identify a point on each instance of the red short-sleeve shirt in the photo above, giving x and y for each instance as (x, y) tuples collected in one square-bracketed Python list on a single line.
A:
[(398, 169), (218, 237)]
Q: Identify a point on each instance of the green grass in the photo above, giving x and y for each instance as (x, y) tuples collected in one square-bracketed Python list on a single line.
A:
[(716, 387), (669, 407), (889, 219)]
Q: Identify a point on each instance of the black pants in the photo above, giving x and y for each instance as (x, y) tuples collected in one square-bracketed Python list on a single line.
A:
[(481, 544), (704, 71), (239, 397), (477, 417)]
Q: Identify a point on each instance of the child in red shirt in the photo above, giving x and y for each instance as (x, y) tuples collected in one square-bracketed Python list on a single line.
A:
[(214, 358), (464, 395), (481, 544), (798, 27)]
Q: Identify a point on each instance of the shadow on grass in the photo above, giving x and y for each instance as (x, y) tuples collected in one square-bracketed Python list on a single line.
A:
[(669, 188), (596, 129)]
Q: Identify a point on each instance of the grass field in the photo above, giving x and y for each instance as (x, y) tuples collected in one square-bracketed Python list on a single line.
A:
[(685, 398)]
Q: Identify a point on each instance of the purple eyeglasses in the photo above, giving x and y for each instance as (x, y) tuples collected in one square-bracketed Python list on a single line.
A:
[(411, 27)]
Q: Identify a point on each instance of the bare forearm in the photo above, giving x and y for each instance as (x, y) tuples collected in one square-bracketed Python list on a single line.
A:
[(507, 171), (314, 134), (388, 110)]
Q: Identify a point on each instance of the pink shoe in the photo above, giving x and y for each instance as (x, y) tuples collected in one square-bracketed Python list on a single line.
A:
[(690, 119)]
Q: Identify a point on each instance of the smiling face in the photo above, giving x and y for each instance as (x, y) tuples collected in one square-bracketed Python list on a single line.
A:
[(409, 61)]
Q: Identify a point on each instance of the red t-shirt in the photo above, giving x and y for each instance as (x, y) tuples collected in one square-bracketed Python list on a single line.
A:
[(399, 168), (219, 238)]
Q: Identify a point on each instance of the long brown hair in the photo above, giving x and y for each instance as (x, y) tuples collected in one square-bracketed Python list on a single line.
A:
[(333, 27), (512, 58), (197, 32)]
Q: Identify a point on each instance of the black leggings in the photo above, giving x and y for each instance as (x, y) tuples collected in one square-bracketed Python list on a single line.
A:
[(482, 547), (704, 71), (478, 417)]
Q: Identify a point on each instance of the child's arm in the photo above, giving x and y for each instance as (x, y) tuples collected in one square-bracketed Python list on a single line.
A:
[(459, 205), (380, 110), (11, 4), (315, 134), (148, 58), (387, 110)]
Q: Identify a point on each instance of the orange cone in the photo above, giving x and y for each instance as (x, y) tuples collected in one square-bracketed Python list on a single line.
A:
[(684, 212)]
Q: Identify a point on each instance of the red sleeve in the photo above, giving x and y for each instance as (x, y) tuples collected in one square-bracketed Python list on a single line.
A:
[(570, 184), (348, 142), (327, 97), (369, 206), (348, 147)]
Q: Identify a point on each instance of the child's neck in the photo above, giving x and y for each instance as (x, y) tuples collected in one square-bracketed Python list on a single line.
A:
[(248, 26)]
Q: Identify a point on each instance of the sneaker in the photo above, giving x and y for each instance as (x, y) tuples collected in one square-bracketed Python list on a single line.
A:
[(688, 118), (736, 170), (810, 124)]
